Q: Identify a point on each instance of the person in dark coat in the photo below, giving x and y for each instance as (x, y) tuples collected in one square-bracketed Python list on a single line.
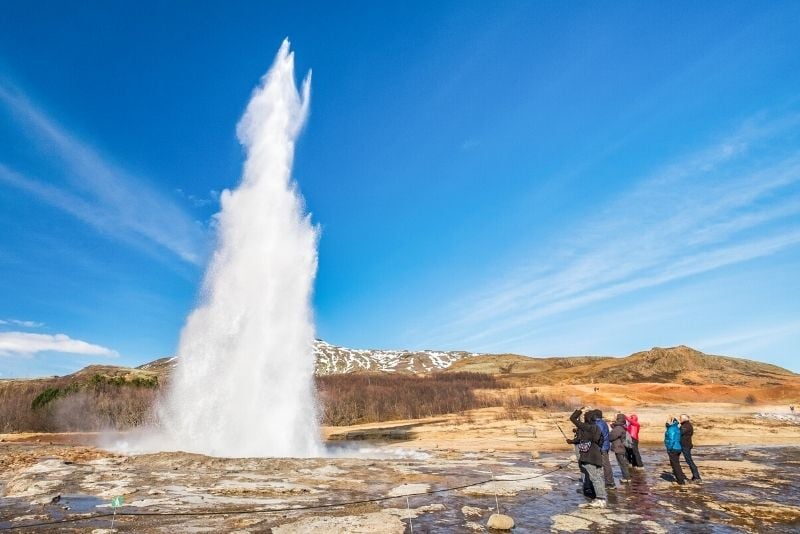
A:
[(590, 441), (687, 431), (604, 430), (672, 441), (617, 439)]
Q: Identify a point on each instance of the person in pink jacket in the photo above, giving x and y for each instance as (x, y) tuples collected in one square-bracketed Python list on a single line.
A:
[(634, 458)]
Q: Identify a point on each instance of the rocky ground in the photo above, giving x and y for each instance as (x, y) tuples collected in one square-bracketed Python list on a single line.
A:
[(745, 489)]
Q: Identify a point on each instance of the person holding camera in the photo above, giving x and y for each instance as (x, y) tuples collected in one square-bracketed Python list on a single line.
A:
[(589, 440)]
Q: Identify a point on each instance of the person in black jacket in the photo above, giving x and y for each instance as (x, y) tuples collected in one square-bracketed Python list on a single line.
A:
[(687, 431), (589, 441)]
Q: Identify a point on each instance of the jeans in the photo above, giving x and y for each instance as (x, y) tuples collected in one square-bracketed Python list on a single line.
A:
[(588, 488), (687, 454), (595, 473), (607, 473), (675, 462), (623, 464)]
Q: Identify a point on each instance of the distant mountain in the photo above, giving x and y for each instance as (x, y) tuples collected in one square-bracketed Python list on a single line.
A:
[(332, 359), (679, 364), (689, 366)]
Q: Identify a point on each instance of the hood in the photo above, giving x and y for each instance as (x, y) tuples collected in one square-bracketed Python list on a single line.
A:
[(620, 420), (634, 418)]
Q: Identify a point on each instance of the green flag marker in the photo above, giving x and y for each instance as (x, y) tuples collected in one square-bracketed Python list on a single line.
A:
[(116, 502)]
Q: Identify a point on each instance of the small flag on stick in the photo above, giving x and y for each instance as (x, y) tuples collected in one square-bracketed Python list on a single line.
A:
[(116, 502)]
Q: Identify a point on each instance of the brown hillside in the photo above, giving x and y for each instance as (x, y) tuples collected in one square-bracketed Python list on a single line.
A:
[(544, 369), (688, 366), (659, 365)]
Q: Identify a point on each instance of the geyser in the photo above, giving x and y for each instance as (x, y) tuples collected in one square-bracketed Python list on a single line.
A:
[(243, 385)]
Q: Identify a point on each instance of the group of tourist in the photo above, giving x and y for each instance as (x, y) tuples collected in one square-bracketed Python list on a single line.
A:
[(595, 439)]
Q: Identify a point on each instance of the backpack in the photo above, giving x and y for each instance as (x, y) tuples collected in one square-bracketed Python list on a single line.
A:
[(628, 440)]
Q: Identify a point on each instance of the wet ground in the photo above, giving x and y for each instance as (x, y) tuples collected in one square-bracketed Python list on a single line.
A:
[(744, 490)]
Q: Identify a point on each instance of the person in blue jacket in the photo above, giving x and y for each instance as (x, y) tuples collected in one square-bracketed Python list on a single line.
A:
[(672, 441), (604, 430)]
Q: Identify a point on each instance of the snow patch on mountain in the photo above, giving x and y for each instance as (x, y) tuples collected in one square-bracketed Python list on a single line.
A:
[(332, 359)]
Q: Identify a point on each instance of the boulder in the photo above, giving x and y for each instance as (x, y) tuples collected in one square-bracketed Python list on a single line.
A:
[(500, 522)]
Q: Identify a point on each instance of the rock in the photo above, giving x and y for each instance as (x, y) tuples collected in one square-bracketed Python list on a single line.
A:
[(653, 527), (471, 511), (413, 513), (500, 522), (375, 522), (535, 455), (408, 489), (512, 483)]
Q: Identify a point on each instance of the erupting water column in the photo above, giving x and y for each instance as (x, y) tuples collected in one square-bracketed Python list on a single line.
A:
[(244, 380)]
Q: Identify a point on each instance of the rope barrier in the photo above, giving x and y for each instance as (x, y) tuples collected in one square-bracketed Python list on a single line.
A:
[(200, 513)]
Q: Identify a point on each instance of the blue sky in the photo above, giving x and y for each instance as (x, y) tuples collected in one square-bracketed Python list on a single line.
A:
[(538, 178)]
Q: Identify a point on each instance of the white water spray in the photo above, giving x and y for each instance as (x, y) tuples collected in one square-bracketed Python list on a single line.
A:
[(243, 385)]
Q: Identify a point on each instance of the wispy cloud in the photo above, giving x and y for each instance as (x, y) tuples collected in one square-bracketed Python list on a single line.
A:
[(27, 344), (734, 201), (470, 144), (18, 322), (97, 192), (199, 201)]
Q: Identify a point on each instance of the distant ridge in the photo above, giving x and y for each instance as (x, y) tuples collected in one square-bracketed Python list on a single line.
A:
[(332, 359), (685, 364), (680, 364)]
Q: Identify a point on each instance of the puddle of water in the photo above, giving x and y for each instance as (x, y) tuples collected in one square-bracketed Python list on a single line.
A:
[(648, 503), (67, 505), (81, 504)]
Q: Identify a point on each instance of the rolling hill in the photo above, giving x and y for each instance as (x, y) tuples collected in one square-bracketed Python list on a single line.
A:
[(679, 364)]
